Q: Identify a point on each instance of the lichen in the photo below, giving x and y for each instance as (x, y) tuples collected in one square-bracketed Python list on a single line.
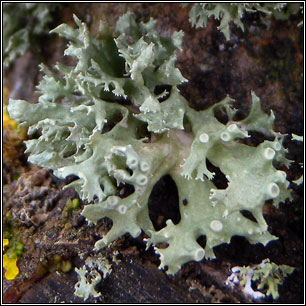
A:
[(5, 243), (298, 138), (71, 205), (13, 135), (57, 263), (10, 257), (90, 275), (22, 23), (266, 277), (8, 123), (229, 13), (105, 122), (10, 265)]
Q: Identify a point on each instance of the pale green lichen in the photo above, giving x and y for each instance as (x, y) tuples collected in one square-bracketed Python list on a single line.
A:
[(266, 277), (22, 22), (90, 275), (105, 122), (300, 180), (229, 13)]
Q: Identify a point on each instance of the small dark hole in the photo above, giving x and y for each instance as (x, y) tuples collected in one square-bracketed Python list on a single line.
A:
[(221, 115), (130, 171), (159, 89), (111, 122), (247, 214), (202, 241), (71, 178), (255, 139), (124, 190), (219, 179), (69, 153), (185, 202), (164, 203), (162, 245), (109, 96), (187, 125), (143, 133)]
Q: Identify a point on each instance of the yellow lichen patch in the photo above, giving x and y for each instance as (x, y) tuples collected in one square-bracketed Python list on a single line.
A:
[(8, 123), (13, 135), (5, 243), (10, 265), (73, 204)]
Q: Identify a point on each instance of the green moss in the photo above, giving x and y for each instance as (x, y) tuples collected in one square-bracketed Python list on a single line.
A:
[(57, 263), (15, 247)]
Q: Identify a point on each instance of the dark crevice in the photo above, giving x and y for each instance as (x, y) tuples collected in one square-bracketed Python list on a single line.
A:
[(221, 115), (187, 125), (202, 241), (130, 171), (247, 214), (111, 122), (143, 133), (124, 190), (69, 153), (110, 97), (255, 138), (219, 179), (71, 178), (162, 245), (162, 89), (164, 203)]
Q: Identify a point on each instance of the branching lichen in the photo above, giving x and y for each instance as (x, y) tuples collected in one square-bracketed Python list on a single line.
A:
[(105, 121), (13, 249), (229, 13), (90, 275), (300, 180), (21, 23), (267, 276)]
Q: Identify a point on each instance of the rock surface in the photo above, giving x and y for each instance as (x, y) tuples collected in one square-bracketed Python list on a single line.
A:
[(268, 59)]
